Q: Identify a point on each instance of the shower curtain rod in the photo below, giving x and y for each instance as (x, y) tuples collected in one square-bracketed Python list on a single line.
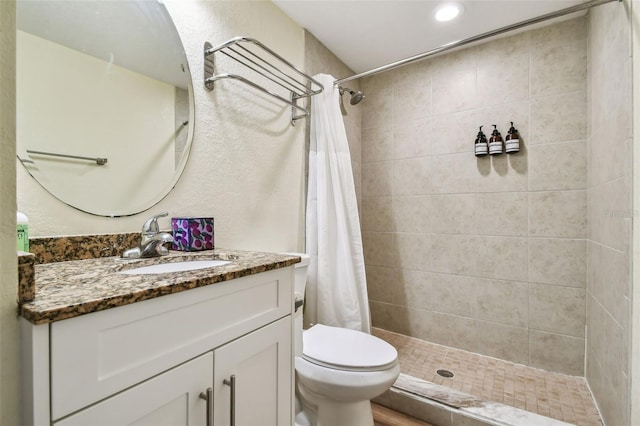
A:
[(488, 34)]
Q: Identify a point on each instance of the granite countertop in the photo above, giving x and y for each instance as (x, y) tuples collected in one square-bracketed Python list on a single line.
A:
[(68, 289)]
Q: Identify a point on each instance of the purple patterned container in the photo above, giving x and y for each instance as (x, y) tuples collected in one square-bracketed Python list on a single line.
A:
[(192, 233)]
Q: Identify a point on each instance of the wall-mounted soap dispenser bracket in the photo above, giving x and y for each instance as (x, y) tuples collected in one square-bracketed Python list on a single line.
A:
[(266, 65)]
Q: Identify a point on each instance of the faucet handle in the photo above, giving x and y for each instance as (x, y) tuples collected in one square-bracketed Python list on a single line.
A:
[(151, 225)]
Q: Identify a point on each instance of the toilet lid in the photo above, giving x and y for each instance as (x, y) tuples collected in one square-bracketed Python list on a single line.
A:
[(346, 349)]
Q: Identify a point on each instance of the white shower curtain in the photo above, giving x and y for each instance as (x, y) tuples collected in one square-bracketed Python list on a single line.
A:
[(336, 286)]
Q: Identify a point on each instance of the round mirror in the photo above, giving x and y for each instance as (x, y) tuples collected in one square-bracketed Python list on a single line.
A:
[(104, 102)]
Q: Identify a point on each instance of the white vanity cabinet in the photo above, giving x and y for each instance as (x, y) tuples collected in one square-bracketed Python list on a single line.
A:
[(172, 398), (147, 363)]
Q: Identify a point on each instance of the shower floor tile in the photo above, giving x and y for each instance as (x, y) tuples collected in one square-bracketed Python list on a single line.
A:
[(554, 395)]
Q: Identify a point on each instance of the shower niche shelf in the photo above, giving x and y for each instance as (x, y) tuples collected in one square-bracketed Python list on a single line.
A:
[(265, 67)]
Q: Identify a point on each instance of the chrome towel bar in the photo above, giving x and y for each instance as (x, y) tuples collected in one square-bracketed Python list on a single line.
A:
[(265, 65), (99, 161)]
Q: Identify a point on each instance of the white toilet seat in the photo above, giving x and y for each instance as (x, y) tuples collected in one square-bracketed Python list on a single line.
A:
[(348, 350)]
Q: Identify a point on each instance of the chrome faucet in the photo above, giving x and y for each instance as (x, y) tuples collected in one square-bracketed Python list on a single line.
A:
[(152, 243)]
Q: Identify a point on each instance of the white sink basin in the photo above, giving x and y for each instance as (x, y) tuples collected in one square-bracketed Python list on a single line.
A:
[(163, 268)]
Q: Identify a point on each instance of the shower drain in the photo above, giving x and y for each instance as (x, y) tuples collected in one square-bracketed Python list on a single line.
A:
[(445, 373)]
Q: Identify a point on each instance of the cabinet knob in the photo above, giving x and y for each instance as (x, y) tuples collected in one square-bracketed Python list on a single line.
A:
[(208, 396), (232, 407)]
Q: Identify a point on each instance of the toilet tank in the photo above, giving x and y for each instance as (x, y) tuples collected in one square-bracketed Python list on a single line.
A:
[(301, 273)]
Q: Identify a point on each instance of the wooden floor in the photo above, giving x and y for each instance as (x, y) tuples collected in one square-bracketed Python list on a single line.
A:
[(383, 416)]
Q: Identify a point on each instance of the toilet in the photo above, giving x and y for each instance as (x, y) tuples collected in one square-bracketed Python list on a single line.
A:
[(338, 371)]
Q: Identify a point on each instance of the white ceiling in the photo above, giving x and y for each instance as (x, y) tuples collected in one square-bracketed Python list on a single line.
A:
[(366, 34)]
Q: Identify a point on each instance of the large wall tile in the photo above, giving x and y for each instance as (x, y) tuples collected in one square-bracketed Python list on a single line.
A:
[(377, 214), (595, 331), (413, 139), (570, 31), (610, 214), (380, 283), (419, 323), (453, 330), (557, 69), (412, 176), (502, 173), (454, 82), (503, 70), (413, 288), (503, 341), (377, 108), (454, 133), (504, 302), (454, 174), (454, 294), (379, 143), (453, 254), (389, 317), (558, 166), (377, 179), (502, 258), (555, 352), (610, 279), (559, 58), (378, 248), (413, 214), (454, 214), (354, 138), (504, 213), (411, 251), (559, 118), (557, 309), (558, 261), (357, 181), (411, 101), (558, 214), (416, 74)]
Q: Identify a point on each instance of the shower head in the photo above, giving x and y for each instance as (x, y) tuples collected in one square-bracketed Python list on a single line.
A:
[(356, 97)]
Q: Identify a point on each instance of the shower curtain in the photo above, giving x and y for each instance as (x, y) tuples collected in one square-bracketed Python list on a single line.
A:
[(336, 286)]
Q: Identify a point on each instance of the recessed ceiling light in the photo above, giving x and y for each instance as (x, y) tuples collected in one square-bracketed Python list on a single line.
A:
[(448, 11)]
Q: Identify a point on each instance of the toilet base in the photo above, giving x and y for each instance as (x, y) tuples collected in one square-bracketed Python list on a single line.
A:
[(352, 414), (325, 412)]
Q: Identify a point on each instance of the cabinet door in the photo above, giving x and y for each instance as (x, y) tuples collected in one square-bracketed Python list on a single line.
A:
[(261, 363), (171, 398)]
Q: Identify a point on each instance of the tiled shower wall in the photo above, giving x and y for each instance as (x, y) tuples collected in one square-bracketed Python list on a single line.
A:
[(488, 254), (610, 211)]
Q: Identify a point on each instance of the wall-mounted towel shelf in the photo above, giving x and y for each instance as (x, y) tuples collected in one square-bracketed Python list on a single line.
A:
[(266, 65)]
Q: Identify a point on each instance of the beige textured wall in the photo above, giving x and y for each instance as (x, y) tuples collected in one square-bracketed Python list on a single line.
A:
[(635, 303), (9, 343), (610, 211), (487, 254), (247, 163)]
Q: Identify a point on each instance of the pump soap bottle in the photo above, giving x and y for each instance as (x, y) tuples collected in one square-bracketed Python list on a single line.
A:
[(481, 146), (495, 142), (512, 141), (23, 231)]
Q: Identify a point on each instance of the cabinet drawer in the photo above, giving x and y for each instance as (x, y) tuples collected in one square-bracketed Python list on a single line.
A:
[(96, 355)]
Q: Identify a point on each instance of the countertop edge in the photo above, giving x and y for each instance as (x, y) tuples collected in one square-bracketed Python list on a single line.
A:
[(58, 313)]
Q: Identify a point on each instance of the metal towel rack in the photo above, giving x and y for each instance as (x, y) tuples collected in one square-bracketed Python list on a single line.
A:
[(99, 161), (267, 64)]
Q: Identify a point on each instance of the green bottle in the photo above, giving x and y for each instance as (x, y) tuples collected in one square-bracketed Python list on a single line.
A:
[(23, 232)]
